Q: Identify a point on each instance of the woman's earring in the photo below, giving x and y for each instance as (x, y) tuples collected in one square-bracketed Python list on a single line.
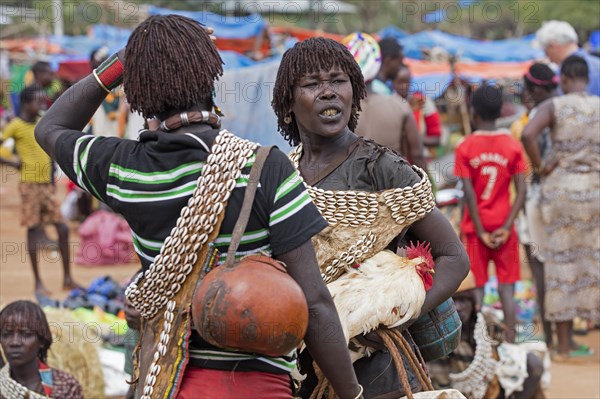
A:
[(287, 120)]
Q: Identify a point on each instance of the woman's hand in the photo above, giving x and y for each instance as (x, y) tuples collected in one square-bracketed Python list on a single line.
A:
[(548, 166), (132, 316), (373, 340)]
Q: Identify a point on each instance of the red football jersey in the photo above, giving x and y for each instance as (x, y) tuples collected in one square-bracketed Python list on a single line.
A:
[(489, 159)]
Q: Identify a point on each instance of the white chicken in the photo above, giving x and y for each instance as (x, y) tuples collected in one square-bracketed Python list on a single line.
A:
[(385, 289)]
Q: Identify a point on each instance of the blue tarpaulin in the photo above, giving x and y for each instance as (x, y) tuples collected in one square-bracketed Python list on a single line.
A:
[(432, 85), (82, 46), (392, 31), (245, 95), (443, 13), (435, 84), (245, 91), (595, 41), (508, 50), (110, 33), (226, 27)]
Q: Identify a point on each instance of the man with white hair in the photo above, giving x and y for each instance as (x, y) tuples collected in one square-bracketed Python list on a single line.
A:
[(559, 40)]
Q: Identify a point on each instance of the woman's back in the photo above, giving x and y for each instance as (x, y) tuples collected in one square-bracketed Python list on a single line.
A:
[(575, 136)]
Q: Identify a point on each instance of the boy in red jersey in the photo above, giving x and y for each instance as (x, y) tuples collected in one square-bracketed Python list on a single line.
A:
[(486, 161)]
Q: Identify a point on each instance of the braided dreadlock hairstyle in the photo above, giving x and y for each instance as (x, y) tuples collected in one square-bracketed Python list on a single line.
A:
[(312, 56), (171, 64)]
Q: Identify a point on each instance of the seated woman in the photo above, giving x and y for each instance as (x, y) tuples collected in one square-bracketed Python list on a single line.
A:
[(25, 337), (370, 196)]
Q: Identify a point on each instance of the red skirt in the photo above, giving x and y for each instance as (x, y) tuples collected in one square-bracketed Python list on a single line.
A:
[(201, 383)]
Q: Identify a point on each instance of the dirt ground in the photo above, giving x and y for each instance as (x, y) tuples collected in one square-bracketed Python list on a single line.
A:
[(580, 381), (16, 277)]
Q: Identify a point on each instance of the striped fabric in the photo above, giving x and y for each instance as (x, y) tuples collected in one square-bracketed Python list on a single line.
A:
[(150, 181), (224, 360)]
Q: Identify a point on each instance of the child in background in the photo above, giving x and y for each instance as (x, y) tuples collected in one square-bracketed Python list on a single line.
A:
[(486, 161), (38, 202), (25, 338), (424, 109)]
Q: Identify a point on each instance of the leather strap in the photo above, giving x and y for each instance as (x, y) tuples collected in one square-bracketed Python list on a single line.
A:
[(174, 360), (242, 222)]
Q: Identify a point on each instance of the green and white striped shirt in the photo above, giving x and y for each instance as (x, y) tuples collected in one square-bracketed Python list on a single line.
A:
[(149, 181)]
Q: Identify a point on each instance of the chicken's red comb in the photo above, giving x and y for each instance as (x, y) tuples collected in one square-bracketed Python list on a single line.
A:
[(421, 249)]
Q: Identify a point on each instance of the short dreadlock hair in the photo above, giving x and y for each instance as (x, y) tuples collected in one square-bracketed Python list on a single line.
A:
[(390, 48), (39, 67), (575, 67), (312, 56), (487, 102), (30, 94), (171, 64), (29, 315)]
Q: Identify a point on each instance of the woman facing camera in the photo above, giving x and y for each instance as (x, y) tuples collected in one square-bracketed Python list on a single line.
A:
[(26, 338), (371, 197)]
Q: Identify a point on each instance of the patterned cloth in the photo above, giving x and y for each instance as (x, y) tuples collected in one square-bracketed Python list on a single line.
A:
[(65, 386), (56, 384), (370, 167), (571, 211), (530, 225), (366, 52), (38, 204)]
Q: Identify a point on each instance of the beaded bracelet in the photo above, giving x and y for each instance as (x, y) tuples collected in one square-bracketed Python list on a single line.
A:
[(109, 74)]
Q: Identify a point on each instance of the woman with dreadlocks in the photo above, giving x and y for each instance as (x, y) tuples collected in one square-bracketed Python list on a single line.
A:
[(25, 337), (370, 196), (174, 186)]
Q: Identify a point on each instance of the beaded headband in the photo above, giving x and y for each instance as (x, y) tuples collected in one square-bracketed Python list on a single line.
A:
[(539, 82)]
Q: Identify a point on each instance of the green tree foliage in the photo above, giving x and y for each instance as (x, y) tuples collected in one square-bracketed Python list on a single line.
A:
[(482, 19), (584, 15)]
